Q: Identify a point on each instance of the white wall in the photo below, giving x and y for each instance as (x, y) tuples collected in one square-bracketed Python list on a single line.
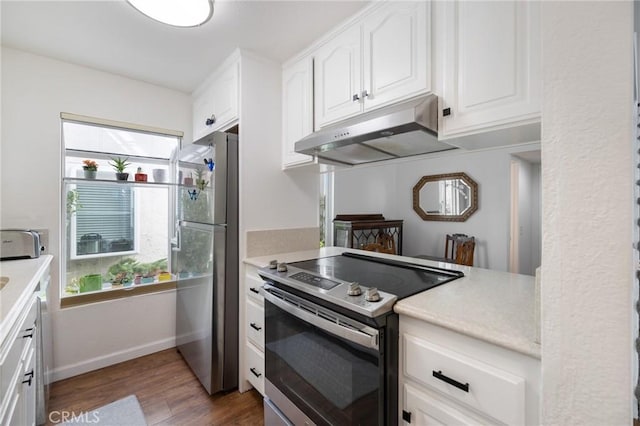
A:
[(35, 90), (387, 188), (526, 203), (587, 177), (536, 217), (270, 198)]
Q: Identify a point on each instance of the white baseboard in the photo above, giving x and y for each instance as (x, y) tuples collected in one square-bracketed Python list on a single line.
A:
[(96, 363)]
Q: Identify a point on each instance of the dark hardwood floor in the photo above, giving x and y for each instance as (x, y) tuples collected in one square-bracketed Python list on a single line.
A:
[(167, 390)]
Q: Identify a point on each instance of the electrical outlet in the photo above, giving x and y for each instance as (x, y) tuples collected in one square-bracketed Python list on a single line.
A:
[(44, 239)]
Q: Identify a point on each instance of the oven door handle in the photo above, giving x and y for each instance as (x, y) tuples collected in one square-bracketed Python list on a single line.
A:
[(356, 336)]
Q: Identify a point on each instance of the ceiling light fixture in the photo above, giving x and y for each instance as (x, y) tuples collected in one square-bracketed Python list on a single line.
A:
[(179, 13)]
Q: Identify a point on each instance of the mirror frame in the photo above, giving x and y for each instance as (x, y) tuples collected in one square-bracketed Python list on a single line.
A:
[(441, 217)]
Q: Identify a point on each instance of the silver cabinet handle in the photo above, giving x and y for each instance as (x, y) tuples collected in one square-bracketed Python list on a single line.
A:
[(355, 98), (211, 120)]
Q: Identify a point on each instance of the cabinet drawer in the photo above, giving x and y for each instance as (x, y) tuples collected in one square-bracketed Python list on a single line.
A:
[(425, 409), (255, 323), (253, 285), (491, 391), (15, 347), (254, 367)]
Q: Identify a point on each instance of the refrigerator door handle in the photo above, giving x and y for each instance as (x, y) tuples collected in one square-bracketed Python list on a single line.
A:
[(175, 241)]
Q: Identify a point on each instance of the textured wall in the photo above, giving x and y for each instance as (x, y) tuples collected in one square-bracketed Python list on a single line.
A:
[(587, 203)]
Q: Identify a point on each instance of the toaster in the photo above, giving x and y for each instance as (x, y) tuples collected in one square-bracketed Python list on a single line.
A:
[(19, 244)]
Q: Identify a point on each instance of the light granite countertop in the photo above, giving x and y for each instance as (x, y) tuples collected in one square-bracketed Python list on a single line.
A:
[(24, 276), (493, 306)]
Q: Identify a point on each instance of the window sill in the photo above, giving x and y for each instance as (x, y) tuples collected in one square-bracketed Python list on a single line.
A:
[(116, 293)]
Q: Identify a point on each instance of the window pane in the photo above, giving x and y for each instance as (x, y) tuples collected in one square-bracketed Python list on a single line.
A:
[(116, 233), (105, 223), (121, 142)]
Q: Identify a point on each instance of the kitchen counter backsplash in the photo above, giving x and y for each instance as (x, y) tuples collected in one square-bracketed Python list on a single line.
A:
[(493, 306), (273, 241)]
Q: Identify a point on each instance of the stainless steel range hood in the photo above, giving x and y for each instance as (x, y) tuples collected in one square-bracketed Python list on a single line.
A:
[(401, 130)]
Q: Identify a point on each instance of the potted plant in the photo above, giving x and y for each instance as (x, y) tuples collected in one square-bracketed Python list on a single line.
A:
[(120, 164), (90, 168), (145, 272), (139, 176), (122, 272)]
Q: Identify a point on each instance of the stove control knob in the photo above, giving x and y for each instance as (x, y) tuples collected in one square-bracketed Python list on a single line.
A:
[(282, 267), (372, 295), (273, 264), (354, 289)]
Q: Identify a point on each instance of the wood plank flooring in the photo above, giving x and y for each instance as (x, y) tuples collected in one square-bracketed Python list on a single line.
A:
[(167, 390)]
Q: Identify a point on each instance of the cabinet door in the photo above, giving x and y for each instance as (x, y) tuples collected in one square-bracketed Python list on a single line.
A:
[(28, 383), (397, 52), (202, 110), (225, 97), (254, 367), (255, 323), (297, 110), (425, 410), (337, 68), (491, 65), (216, 106)]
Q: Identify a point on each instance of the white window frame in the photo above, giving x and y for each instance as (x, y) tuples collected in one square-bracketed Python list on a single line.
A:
[(68, 300), (73, 252)]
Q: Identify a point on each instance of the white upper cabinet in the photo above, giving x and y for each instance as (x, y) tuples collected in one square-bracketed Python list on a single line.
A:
[(338, 77), (380, 59), (297, 109), (215, 105), (491, 74), (396, 52)]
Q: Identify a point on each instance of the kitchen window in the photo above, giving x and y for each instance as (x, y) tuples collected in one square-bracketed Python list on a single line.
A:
[(117, 230)]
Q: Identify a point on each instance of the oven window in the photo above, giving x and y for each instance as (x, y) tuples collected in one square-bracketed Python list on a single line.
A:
[(332, 380)]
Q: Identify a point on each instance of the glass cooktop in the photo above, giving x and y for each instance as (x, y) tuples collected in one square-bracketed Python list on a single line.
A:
[(395, 277)]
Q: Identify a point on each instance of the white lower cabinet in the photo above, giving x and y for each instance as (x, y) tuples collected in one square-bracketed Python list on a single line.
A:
[(17, 371), (448, 378), (253, 371), (423, 408)]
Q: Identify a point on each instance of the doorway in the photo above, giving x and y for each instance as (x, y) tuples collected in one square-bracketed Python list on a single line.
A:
[(525, 237)]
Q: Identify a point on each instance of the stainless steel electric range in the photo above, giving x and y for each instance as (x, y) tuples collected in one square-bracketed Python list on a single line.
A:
[(331, 337)]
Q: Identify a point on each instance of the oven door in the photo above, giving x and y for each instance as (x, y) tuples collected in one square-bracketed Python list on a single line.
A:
[(328, 366)]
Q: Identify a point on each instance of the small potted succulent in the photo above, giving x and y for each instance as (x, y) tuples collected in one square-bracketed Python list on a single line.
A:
[(90, 168), (119, 165)]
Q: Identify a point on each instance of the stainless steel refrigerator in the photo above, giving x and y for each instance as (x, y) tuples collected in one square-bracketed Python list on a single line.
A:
[(205, 259)]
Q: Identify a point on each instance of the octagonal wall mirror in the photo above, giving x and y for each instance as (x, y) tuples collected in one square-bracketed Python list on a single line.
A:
[(449, 197)]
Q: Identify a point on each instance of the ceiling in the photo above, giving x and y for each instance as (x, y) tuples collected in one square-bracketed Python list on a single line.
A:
[(112, 36)]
